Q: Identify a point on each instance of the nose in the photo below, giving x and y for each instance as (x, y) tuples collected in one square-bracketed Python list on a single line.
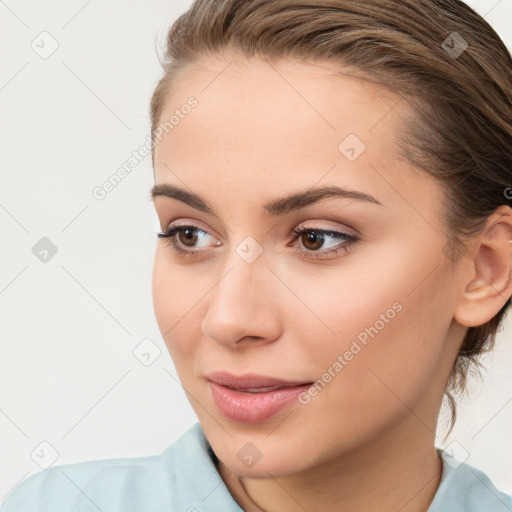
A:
[(243, 307)]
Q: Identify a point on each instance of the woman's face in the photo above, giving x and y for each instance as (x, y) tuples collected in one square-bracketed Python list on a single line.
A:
[(365, 311)]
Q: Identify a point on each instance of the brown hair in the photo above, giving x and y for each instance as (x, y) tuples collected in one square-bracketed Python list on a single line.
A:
[(461, 133)]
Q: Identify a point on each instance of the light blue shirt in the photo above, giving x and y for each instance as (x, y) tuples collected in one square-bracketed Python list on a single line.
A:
[(184, 479)]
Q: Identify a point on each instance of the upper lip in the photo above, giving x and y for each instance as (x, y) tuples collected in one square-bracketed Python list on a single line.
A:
[(250, 381)]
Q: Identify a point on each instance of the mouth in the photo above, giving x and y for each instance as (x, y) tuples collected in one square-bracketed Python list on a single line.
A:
[(253, 398), (252, 382), (256, 390)]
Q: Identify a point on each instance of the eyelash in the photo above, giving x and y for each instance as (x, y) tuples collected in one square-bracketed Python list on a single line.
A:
[(171, 232)]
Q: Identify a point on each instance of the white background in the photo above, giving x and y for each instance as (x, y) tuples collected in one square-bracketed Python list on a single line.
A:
[(68, 375)]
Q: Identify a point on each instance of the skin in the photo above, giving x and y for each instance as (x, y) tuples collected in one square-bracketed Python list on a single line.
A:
[(261, 131)]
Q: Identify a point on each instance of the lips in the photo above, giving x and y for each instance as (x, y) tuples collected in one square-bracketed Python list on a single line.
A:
[(252, 382), (257, 390), (253, 398)]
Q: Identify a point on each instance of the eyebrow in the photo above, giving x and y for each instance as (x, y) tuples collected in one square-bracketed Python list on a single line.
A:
[(279, 206)]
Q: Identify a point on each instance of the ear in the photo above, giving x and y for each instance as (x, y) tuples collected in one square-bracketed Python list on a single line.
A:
[(489, 284)]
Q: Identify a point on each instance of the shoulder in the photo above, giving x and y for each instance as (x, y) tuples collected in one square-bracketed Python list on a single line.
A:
[(464, 488), (69, 486), (125, 484)]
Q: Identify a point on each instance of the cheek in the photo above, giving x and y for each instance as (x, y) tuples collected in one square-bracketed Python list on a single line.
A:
[(162, 285), (174, 298), (383, 331)]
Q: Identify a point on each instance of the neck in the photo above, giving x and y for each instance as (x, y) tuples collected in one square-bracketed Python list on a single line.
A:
[(397, 472)]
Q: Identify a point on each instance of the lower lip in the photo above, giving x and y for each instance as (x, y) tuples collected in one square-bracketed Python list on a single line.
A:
[(248, 407)]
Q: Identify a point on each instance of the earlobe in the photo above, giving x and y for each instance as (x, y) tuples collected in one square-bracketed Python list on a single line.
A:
[(490, 285)]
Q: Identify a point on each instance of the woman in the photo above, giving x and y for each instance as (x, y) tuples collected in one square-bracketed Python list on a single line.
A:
[(332, 184)]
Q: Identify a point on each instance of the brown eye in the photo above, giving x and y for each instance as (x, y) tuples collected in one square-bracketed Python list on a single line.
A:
[(188, 236), (187, 240), (312, 241)]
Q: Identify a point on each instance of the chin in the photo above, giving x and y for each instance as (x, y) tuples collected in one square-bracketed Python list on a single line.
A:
[(257, 455), (273, 465)]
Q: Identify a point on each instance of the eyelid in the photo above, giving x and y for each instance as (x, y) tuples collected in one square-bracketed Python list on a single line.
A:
[(169, 234), (196, 224), (190, 222), (347, 240), (324, 226)]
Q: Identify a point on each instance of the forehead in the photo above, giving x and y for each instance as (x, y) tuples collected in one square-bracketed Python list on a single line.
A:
[(296, 100), (259, 124), (330, 95)]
